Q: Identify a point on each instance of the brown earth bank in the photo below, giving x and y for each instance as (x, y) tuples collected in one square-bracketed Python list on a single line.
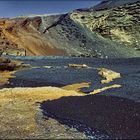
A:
[(8, 68), (118, 117), (6, 64), (10, 65)]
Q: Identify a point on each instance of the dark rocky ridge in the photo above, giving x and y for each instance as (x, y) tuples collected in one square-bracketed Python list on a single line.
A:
[(106, 4)]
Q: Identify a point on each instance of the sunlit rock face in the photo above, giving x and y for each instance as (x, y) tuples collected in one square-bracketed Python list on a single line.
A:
[(120, 24), (93, 32)]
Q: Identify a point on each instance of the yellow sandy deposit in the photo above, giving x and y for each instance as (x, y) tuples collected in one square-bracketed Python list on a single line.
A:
[(76, 86), (5, 76), (105, 88), (108, 75), (18, 109)]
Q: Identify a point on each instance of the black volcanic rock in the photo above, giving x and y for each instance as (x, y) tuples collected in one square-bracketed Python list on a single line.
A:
[(118, 117)]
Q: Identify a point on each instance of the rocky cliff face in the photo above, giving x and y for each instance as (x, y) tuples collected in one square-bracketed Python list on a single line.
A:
[(120, 24), (111, 32)]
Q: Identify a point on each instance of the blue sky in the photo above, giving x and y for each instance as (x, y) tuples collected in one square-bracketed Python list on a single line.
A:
[(12, 8)]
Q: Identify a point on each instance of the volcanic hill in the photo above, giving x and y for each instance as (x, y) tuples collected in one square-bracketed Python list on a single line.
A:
[(110, 29)]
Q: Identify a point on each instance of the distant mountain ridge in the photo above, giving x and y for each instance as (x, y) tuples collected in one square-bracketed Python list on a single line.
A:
[(92, 32), (112, 3)]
